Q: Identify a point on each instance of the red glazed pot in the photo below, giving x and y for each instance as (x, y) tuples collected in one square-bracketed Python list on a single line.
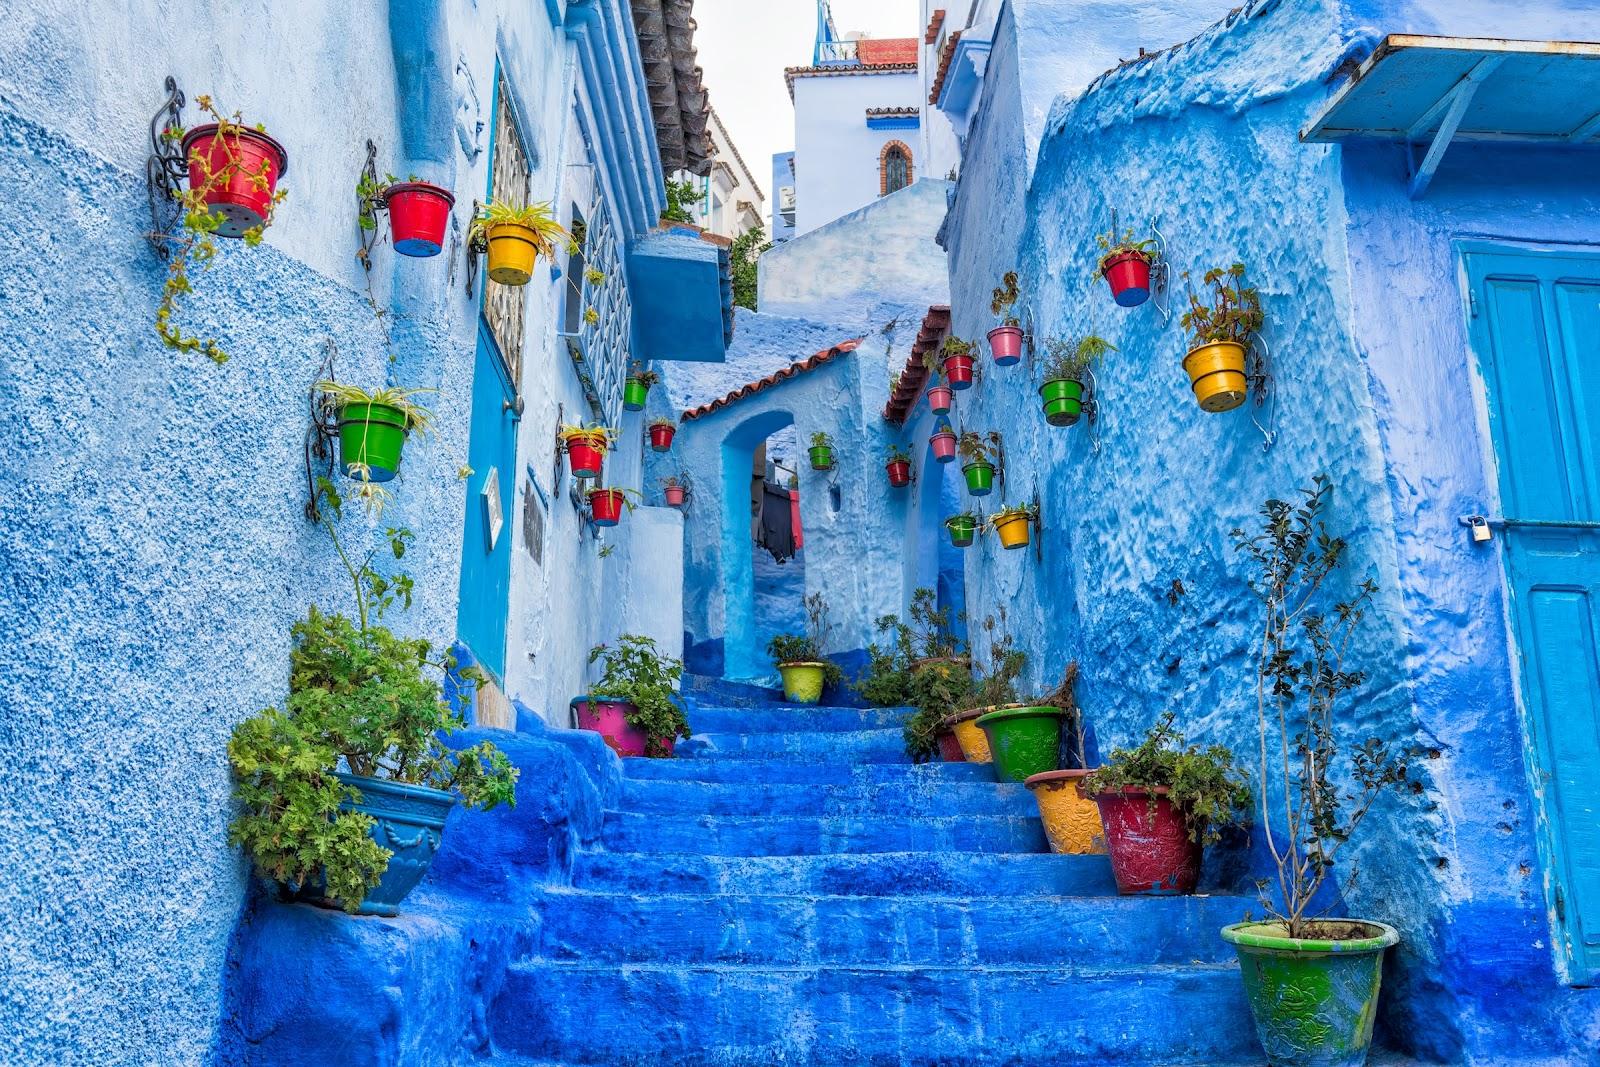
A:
[(1150, 848), (661, 437), (419, 212), (240, 159), (959, 370), (675, 494), (1006, 344), (609, 719), (1129, 275), (950, 748), (605, 505), (944, 445), (899, 473), (941, 400), (587, 456)]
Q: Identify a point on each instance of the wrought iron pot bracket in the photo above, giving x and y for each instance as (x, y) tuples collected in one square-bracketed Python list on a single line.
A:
[(322, 428), (369, 205), (165, 170), (1259, 380)]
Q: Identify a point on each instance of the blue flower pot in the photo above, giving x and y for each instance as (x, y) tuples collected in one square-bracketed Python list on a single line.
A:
[(408, 821)]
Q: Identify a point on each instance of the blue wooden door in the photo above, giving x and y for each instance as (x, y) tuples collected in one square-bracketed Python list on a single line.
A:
[(486, 541), (1536, 327)]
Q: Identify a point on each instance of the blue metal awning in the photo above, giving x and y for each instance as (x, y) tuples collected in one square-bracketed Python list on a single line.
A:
[(681, 286), (1435, 90)]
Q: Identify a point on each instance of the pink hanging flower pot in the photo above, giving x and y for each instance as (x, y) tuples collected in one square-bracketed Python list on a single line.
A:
[(941, 399), (944, 445), (1005, 342)]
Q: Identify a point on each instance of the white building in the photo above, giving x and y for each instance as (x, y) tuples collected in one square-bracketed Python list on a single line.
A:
[(732, 202)]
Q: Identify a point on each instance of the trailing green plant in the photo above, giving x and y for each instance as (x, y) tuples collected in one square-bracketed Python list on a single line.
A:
[(369, 194), (897, 454), (1112, 245), (635, 671), (821, 440), (1206, 785), (548, 234), (1233, 312), (979, 448), (1070, 360), (361, 696), (1301, 684), (1005, 299), (194, 244), (681, 196), (746, 249), (638, 372), (375, 496)]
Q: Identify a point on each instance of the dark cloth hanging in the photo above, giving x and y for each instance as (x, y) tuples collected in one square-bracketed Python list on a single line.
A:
[(775, 529)]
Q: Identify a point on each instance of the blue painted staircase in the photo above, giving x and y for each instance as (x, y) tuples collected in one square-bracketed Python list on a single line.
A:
[(792, 891)]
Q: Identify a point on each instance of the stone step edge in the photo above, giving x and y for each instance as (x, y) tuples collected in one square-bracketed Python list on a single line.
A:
[(1064, 969), (1132, 900)]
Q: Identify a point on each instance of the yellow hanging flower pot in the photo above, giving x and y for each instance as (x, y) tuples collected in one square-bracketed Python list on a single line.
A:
[(514, 238), (512, 253), (1013, 525), (1216, 373), (1222, 325)]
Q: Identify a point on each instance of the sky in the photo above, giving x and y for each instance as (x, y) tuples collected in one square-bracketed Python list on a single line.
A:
[(744, 46)]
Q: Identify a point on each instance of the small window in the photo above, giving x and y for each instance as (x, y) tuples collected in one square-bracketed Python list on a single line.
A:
[(577, 264), (894, 168)]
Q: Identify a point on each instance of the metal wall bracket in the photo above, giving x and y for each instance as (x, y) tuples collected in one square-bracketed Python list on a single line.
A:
[(368, 205), (322, 428), (1259, 380), (472, 253), (165, 170), (1161, 275), (1036, 518), (1449, 109)]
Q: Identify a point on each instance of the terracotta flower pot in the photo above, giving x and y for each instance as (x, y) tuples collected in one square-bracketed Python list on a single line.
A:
[(249, 164), (1071, 820), (674, 495), (419, 213), (661, 435), (950, 748), (1005, 342), (1128, 274), (1148, 838)]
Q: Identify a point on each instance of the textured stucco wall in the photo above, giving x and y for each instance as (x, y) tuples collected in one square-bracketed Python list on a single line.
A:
[(155, 549), (836, 153), (1362, 308)]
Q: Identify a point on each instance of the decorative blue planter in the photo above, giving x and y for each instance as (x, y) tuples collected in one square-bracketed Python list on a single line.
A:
[(409, 820)]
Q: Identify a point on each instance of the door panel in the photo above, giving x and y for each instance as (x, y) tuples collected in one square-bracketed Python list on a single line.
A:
[(486, 543), (1537, 332)]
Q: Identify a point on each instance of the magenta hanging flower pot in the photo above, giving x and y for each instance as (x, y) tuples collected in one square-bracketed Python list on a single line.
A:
[(1005, 342), (944, 445)]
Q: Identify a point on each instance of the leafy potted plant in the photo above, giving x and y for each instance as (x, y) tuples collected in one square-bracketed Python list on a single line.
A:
[(943, 442), (1005, 340), (606, 504), (940, 397), (1071, 820), (419, 214), (373, 427), (586, 447), (821, 452), (1014, 524), (994, 686), (637, 388), (898, 467), (963, 529), (936, 688), (1161, 804), (633, 704), (675, 490), (233, 178), (1069, 361), (978, 455), (1336, 965), (662, 430), (1221, 330), (800, 660), (957, 361), (515, 237), (1125, 262), (362, 698)]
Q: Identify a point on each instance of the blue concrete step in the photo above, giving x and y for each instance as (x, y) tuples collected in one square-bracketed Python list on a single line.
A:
[(845, 746), (851, 930), (789, 771), (853, 798), (906, 874), (793, 719), (1072, 1012), (810, 835)]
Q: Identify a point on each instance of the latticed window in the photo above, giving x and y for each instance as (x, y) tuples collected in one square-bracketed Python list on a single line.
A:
[(894, 168), (604, 334), (504, 305)]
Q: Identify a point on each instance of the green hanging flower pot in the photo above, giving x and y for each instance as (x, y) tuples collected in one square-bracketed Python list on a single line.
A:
[(1063, 401), (371, 436), (980, 477), (634, 394), (821, 457), (1024, 740), (963, 528)]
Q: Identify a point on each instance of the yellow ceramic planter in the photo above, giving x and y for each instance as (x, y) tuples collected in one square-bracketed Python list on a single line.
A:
[(802, 682), (1216, 372), (512, 252), (970, 736), (1071, 821), (1013, 530)]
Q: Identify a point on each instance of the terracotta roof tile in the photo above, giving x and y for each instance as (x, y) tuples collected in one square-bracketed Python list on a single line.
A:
[(891, 51), (935, 24), (914, 375), (944, 66), (793, 369), (839, 70)]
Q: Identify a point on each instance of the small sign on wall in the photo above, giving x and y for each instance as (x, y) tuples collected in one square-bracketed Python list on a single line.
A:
[(493, 518), (533, 522)]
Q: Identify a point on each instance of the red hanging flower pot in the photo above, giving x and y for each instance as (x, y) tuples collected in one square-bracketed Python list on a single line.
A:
[(586, 454), (1005, 342), (1129, 276), (605, 506), (899, 473), (242, 168), (959, 370), (944, 445), (419, 213), (941, 399), (661, 434)]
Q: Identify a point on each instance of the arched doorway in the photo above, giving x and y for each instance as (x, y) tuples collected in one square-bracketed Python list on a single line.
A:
[(939, 565), (763, 573)]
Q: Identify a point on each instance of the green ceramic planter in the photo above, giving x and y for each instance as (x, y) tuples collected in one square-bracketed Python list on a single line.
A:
[(1313, 1001), (634, 394), (372, 434), (963, 528), (980, 478), (1063, 401), (822, 457), (1024, 741)]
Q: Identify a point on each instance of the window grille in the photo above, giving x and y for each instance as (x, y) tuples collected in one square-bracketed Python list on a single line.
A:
[(504, 305)]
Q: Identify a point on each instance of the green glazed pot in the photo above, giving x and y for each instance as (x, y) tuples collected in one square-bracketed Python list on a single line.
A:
[(634, 394), (1024, 741), (1063, 401), (821, 457), (980, 479), (962, 529), (1313, 1000), (372, 434)]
